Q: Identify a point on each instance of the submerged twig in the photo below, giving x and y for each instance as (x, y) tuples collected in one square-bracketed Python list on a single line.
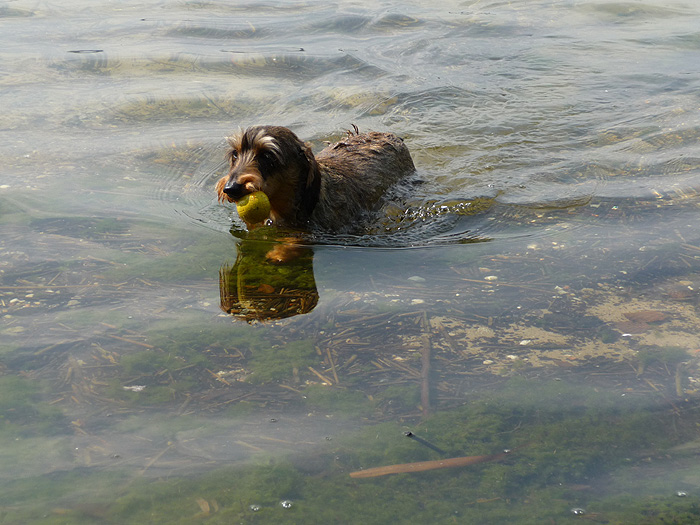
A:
[(426, 465), (139, 343), (423, 442), (425, 365), (332, 363), (679, 380), (156, 458), (321, 376)]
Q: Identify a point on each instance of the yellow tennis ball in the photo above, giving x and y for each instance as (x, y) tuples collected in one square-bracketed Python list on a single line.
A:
[(254, 207)]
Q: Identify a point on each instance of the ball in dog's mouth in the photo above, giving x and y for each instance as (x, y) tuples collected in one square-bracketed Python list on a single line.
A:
[(254, 207)]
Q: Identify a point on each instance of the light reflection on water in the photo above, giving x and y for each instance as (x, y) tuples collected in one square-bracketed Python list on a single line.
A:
[(557, 155)]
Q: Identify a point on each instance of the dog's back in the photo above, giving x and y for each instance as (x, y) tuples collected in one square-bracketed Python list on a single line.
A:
[(357, 171)]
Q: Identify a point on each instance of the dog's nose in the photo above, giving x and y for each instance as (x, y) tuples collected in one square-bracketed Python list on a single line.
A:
[(234, 190)]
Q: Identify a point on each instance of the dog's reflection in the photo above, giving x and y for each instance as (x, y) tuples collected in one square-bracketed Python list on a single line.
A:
[(258, 288)]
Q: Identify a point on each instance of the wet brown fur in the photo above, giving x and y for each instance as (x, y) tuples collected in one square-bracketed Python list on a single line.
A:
[(329, 191)]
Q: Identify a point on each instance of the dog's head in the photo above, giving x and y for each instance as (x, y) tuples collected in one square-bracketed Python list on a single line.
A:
[(273, 160)]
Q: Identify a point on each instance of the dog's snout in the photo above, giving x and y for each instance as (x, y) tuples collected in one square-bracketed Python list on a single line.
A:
[(235, 190)]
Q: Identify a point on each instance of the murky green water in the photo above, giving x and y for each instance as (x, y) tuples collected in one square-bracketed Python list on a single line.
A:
[(535, 292)]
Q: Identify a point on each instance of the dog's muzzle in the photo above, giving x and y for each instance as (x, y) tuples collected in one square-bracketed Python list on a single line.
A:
[(235, 190)]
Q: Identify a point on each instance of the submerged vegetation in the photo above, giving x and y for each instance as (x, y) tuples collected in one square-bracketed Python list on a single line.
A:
[(266, 413), (563, 458), (344, 384), (23, 412)]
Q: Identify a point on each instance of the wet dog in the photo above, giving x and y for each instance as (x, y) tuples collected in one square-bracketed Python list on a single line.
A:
[(331, 191)]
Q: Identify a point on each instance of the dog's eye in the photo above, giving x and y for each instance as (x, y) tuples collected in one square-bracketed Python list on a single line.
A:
[(266, 160), (233, 154)]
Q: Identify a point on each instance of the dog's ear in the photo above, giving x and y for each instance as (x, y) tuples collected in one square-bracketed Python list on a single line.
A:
[(313, 175), (310, 188)]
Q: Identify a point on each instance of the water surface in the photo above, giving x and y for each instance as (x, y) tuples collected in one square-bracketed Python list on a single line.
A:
[(533, 289)]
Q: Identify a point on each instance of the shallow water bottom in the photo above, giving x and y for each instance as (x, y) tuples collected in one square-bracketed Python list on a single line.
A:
[(139, 400), (561, 451)]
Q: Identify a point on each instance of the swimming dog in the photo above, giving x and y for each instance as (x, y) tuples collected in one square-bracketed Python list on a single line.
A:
[(330, 191)]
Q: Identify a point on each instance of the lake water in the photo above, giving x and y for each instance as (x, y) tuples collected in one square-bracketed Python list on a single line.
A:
[(534, 291)]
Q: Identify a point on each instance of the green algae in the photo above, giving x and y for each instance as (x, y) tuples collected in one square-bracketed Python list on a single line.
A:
[(667, 355), (148, 362), (175, 363), (181, 355), (341, 403), (578, 439), (151, 394), (23, 412), (656, 510), (172, 336), (53, 498), (279, 362)]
